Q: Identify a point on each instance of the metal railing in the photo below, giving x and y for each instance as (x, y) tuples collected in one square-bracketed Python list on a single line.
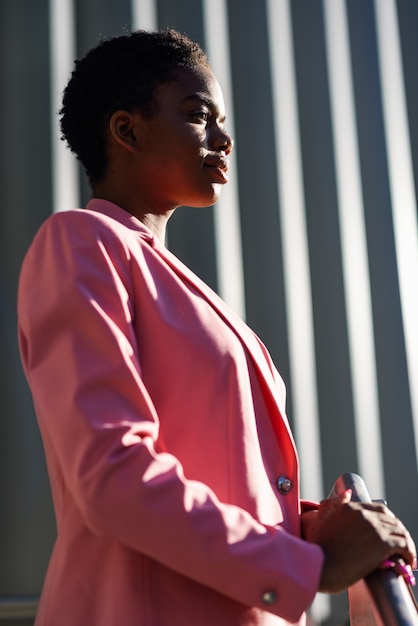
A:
[(18, 607), (383, 598)]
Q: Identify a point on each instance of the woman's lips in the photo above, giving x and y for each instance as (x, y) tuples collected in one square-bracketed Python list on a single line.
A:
[(219, 167)]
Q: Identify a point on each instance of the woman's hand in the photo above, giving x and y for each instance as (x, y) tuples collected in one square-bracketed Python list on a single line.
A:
[(355, 538)]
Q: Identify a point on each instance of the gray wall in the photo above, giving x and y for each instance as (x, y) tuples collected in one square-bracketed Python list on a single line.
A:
[(338, 415)]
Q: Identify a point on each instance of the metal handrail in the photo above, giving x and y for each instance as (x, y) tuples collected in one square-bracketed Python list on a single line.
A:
[(383, 597), (18, 607)]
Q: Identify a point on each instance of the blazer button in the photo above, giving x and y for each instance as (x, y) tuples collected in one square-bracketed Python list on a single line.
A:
[(284, 484)]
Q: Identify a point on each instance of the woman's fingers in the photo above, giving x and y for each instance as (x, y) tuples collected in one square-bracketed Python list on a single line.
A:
[(356, 538)]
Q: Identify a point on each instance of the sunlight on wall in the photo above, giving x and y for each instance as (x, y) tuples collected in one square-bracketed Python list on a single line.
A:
[(62, 55), (295, 249), (354, 248), (401, 184), (227, 221), (144, 14)]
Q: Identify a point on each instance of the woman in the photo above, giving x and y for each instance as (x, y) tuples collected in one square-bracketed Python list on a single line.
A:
[(173, 470)]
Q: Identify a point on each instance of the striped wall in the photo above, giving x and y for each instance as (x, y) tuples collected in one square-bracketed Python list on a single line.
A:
[(314, 242)]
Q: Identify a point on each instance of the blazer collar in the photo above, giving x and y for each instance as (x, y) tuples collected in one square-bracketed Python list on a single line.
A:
[(99, 205)]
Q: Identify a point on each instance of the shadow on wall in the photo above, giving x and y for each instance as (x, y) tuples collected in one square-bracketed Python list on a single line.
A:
[(27, 528)]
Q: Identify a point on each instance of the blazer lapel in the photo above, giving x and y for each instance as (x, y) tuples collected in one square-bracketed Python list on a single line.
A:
[(244, 333), (251, 342)]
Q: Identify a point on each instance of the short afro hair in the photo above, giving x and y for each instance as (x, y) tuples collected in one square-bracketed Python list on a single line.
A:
[(119, 73)]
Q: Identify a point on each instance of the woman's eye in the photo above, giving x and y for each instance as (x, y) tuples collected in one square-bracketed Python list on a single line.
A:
[(200, 115)]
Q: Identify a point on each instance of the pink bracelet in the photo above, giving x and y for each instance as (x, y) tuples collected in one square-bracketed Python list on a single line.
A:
[(401, 568)]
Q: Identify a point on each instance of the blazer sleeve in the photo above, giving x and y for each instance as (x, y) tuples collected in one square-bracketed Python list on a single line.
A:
[(82, 361), (308, 505)]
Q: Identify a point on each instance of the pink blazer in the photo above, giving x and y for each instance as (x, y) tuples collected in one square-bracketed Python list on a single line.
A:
[(164, 427)]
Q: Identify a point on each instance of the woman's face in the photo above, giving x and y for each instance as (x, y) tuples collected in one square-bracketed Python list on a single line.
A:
[(184, 146)]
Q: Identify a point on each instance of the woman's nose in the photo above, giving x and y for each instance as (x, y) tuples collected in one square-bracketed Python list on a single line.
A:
[(223, 142), (229, 144)]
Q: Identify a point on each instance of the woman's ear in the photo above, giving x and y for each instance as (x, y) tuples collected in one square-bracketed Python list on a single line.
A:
[(122, 129)]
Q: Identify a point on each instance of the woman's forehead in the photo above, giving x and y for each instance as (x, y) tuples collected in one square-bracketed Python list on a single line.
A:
[(196, 83)]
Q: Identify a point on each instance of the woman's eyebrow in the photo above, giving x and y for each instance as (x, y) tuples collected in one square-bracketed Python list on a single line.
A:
[(203, 98)]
